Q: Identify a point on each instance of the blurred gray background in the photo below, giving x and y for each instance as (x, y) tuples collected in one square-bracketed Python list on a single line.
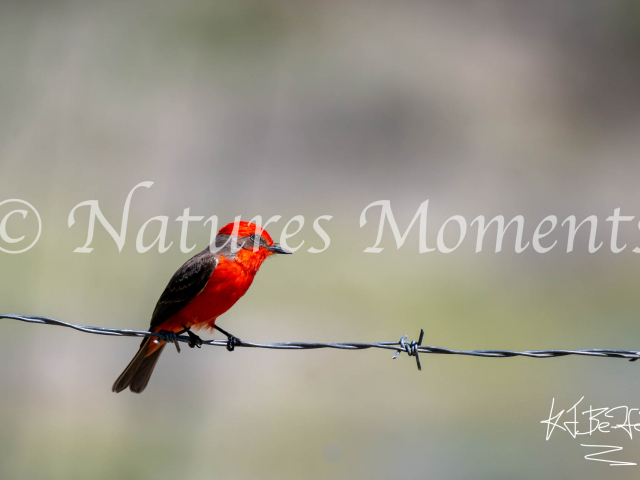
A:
[(320, 108)]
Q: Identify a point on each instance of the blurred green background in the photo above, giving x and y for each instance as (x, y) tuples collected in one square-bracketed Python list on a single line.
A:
[(319, 108)]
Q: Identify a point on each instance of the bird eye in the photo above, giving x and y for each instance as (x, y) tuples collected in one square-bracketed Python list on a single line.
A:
[(252, 242)]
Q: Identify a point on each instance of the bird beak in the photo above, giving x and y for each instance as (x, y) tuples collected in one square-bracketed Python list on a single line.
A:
[(278, 249)]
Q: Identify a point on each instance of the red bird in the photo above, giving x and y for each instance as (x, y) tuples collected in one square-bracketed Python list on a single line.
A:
[(204, 288)]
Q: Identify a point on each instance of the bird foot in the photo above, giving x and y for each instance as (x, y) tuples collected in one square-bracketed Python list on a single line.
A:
[(232, 341), (194, 340)]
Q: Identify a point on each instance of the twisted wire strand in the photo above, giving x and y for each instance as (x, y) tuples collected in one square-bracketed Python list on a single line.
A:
[(412, 348)]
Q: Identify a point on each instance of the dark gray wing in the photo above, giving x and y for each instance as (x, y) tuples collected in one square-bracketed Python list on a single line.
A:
[(186, 283)]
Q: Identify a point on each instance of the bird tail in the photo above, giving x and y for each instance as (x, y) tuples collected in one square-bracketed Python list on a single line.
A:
[(137, 374)]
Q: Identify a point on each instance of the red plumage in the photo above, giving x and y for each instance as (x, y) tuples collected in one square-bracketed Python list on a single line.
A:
[(244, 229), (204, 288), (226, 285)]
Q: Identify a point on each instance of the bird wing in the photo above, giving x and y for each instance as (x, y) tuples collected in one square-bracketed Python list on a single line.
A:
[(186, 283)]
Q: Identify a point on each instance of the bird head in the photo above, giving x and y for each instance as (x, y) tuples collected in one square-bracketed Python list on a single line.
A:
[(251, 240)]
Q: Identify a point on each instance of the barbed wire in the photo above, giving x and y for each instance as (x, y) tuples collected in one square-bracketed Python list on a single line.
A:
[(411, 348)]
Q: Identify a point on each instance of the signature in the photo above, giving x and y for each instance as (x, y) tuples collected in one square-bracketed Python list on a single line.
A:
[(603, 420)]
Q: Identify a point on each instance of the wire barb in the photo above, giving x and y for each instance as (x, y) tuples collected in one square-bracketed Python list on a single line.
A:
[(171, 337), (412, 348)]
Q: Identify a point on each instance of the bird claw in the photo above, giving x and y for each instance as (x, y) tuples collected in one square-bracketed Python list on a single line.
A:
[(194, 340), (232, 341)]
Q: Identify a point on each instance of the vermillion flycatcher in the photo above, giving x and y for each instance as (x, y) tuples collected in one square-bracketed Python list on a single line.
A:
[(202, 289)]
